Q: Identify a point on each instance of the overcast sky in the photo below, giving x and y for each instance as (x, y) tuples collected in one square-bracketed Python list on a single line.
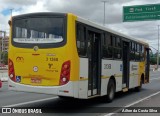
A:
[(90, 9)]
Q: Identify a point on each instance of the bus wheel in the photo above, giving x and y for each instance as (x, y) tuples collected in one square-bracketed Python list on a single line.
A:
[(139, 87), (64, 98), (110, 90)]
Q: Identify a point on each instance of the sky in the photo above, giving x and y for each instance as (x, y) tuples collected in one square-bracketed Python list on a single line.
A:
[(92, 10)]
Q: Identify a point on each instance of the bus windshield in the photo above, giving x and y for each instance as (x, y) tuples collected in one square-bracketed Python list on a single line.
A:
[(38, 30)]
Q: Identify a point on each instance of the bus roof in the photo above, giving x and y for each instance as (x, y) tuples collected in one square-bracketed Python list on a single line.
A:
[(93, 24), (90, 23)]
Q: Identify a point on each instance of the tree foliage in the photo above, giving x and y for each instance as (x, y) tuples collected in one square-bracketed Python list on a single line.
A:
[(153, 58), (4, 57)]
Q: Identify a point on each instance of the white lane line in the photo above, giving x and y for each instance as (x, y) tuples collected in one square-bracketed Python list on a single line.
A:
[(29, 102), (136, 102), (35, 101), (154, 78)]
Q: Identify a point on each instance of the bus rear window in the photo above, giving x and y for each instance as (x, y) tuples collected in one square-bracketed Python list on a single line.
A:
[(38, 31)]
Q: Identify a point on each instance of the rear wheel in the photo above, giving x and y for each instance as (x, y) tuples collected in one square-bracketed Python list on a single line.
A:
[(64, 97), (110, 91)]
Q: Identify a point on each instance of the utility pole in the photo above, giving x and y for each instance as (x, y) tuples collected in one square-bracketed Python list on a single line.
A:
[(158, 50), (3, 33), (104, 12), (11, 11)]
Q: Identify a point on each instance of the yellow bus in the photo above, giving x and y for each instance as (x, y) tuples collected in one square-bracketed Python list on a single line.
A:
[(65, 55)]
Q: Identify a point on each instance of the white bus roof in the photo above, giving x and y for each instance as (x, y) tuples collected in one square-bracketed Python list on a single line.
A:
[(93, 24)]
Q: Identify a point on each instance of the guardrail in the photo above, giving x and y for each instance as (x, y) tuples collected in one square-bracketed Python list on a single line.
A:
[(4, 76), (5, 67)]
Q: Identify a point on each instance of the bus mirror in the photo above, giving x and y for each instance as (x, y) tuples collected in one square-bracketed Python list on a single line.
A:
[(9, 22)]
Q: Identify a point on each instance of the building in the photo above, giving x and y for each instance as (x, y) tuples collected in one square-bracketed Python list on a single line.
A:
[(3, 41), (4, 44)]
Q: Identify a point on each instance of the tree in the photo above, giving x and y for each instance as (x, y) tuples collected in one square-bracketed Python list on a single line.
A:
[(4, 57), (153, 58)]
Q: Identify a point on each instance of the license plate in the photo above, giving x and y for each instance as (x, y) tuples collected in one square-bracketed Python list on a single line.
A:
[(36, 80)]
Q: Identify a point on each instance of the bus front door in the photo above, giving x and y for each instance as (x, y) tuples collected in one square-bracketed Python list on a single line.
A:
[(125, 72), (94, 63)]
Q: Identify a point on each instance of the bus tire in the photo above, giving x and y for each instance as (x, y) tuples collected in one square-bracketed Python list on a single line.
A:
[(110, 90), (137, 89), (64, 98)]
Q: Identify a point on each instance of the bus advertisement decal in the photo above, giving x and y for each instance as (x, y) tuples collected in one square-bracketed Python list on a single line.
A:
[(19, 59)]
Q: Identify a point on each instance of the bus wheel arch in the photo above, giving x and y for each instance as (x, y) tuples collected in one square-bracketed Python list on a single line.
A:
[(111, 88)]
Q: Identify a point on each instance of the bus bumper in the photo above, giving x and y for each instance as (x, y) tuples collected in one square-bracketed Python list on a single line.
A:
[(64, 90)]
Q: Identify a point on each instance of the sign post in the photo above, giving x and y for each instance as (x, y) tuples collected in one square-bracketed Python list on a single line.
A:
[(141, 12)]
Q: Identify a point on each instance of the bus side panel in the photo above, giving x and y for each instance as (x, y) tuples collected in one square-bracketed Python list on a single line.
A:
[(141, 71), (111, 68), (72, 51), (83, 83), (134, 74)]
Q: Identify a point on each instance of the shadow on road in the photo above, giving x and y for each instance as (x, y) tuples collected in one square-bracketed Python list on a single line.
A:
[(94, 105)]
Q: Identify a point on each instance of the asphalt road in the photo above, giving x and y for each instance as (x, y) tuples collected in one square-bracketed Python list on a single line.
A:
[(149, 96)]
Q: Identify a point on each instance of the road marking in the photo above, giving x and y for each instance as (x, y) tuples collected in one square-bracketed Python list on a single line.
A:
[(110, 114), (154, 78), (136, 102), (29, 102)]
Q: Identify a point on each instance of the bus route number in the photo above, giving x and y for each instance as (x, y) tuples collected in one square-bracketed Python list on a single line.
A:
[(107, 66), (51, 59)]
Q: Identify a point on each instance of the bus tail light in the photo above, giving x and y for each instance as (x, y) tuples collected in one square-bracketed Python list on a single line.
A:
[(11, 70), (65, 73)]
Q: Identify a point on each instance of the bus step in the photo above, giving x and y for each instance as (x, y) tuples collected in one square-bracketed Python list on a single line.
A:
[(125, 89), (93, 96), (124, 85)]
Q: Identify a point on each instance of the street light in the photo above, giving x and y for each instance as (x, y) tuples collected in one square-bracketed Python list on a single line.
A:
[(11, 11), (104, 12), (158, 50)]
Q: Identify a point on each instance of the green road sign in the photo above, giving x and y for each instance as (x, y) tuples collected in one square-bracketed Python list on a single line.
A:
[(141, 12)]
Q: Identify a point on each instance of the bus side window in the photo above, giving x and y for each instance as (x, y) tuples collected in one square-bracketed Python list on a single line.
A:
[(132, 51), (142, 54), (136, 52), (108, 46), (104, 46), (117, 48), (81, 40)]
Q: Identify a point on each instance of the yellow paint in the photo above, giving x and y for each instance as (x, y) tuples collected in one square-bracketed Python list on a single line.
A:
[(104, 77), (83, 78), (119, 76), (49, 76), (141, 71), (72, 48)]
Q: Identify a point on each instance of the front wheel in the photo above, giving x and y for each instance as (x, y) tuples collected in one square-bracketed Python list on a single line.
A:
[(110, 91), (65, 98)]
